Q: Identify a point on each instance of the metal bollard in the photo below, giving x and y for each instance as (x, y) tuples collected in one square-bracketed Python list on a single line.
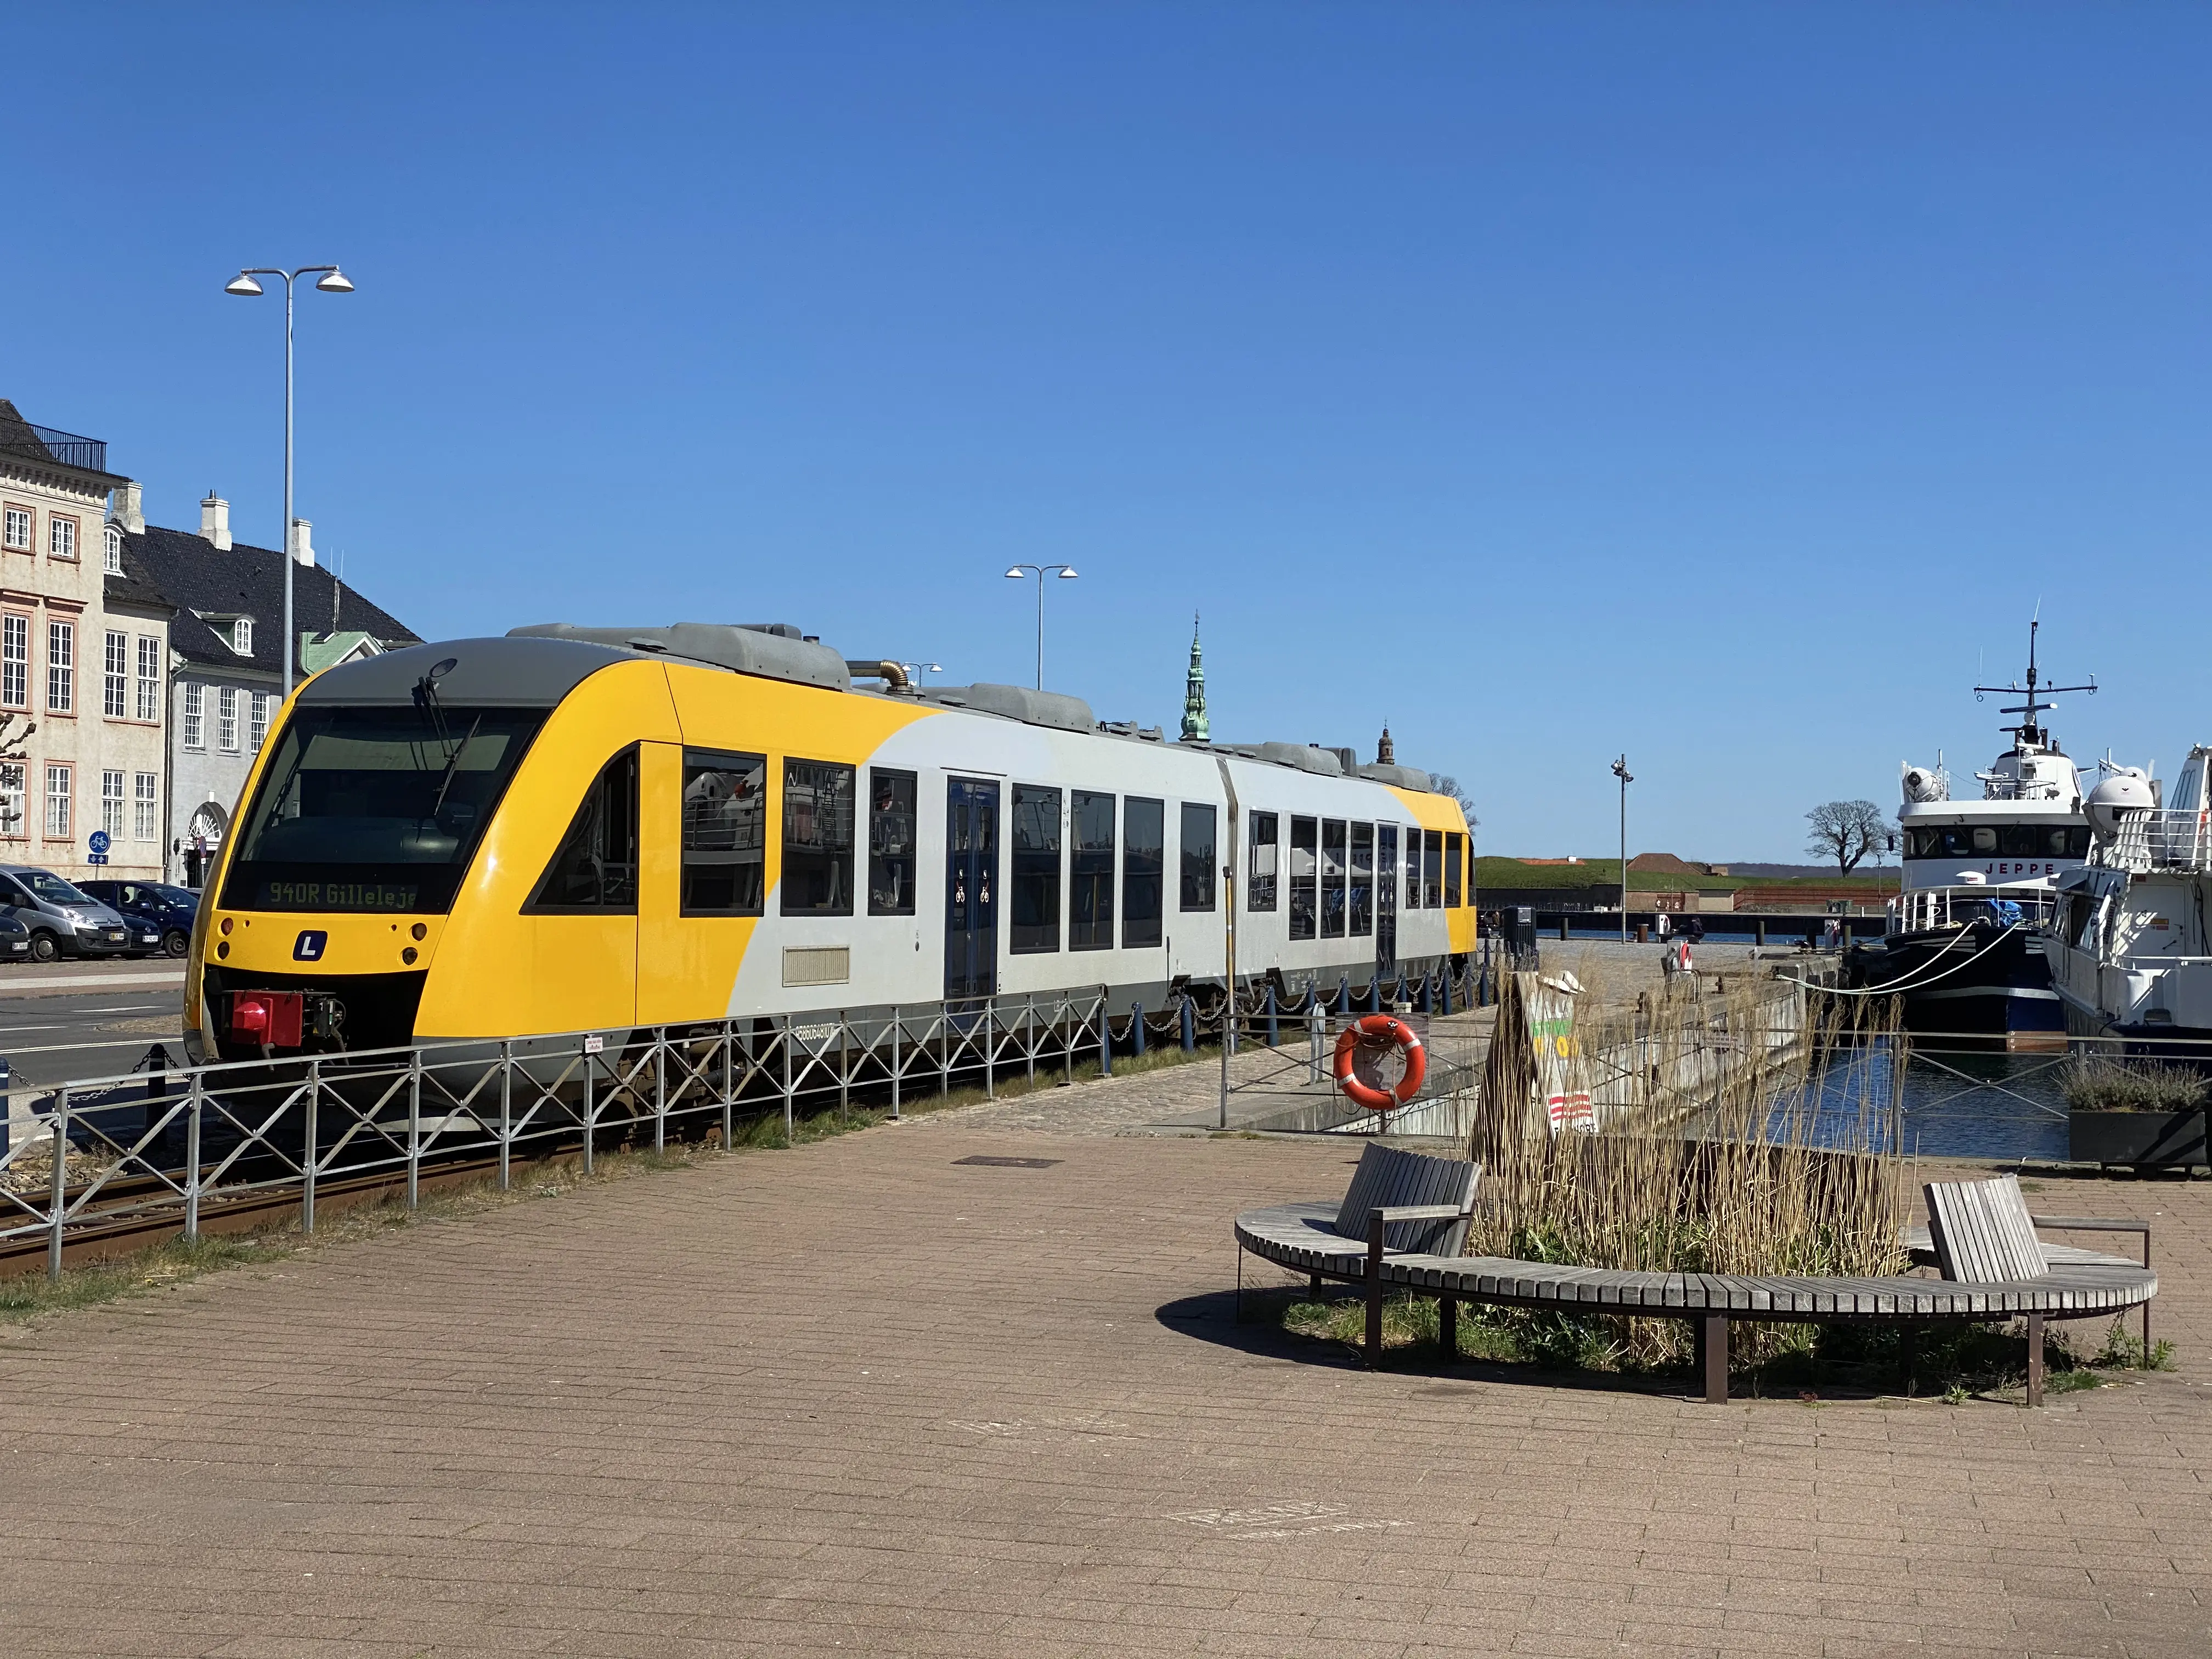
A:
[(1374, 995), (61, 1177), (1189, 1027), (1272, 1039), (1137, 1026), (308, 1161), (1344, 993)]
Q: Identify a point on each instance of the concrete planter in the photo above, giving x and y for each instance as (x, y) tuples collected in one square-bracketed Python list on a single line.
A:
[(2139, 1138)]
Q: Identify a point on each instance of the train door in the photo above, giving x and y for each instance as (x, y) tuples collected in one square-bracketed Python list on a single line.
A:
[(1386, 903), (971, 882)]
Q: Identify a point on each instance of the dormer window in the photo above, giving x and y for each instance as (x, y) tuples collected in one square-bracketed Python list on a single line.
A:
[(242, 636), (114, 565)]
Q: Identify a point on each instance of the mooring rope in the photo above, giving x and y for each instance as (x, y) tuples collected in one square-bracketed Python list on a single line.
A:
[(1893, 988)]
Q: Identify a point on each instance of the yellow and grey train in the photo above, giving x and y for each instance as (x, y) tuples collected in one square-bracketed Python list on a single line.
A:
[(590, 829)]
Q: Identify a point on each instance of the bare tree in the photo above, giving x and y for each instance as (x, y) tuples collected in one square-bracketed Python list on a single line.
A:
[(15, 747), (1447, 785), (1846, 832)]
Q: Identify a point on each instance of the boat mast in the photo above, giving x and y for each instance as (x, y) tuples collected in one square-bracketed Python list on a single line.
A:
[(2030, 731)]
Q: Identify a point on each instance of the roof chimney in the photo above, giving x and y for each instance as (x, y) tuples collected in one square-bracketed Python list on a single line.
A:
[(303, 548), (214, 521), (126, 506)]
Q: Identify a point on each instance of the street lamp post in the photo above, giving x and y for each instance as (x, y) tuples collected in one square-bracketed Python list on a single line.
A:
[(331, 281), (1620, 770), (1066, 574), (914, 670)]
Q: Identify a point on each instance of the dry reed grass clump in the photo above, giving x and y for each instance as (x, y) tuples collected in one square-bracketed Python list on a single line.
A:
[(2103, 1082), (1735, 1134)]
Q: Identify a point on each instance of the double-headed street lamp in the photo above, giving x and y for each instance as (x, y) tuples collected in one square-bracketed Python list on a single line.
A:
[(914, 670), (1040, 571), (331, 281), (1620, 770)]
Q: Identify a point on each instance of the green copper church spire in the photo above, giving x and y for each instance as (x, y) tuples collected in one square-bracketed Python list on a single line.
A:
[(1195, 728)]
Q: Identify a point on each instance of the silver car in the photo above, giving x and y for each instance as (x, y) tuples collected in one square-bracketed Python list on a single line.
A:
[(64, 922)]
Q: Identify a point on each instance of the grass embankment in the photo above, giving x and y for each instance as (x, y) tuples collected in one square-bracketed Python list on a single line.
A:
[(161, 1266), (1505, 872)]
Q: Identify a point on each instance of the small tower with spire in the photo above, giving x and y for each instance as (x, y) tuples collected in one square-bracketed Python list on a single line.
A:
[(1194, 727), (1386, 752)]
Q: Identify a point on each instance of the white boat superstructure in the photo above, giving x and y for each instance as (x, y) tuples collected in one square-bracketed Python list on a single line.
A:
[(2130, 946)]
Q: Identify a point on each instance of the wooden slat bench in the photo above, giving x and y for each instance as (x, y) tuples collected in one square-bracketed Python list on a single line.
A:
[(2065, 1284)]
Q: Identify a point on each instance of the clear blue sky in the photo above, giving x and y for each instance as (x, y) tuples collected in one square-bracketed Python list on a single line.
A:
[(1722, 384)]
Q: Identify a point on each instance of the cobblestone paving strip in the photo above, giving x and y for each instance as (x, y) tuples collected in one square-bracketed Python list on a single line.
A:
[(862, 1399)]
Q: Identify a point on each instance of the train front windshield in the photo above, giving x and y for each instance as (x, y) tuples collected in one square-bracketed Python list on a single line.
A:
[(375, 809)]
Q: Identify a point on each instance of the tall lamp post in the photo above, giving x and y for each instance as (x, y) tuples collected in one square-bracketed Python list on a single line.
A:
[(1040, 571), (1620, 770), (331, 281)]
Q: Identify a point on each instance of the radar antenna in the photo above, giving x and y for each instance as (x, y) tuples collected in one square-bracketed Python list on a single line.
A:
[(2030, 731)]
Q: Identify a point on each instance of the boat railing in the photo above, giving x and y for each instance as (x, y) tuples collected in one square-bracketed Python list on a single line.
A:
[(1928, 910)]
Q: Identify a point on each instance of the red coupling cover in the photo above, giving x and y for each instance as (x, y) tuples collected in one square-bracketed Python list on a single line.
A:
[(270, 1017)]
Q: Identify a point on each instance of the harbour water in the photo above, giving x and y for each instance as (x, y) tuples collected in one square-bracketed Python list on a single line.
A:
[(1952, 1105)]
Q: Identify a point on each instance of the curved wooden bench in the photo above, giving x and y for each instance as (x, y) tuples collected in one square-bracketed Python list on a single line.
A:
[(2075, 1284)]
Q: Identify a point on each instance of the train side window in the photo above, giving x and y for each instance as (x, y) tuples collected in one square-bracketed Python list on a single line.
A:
[(1363, 880), (725, 833), (1331, 878), (1144, 871), (1413, 866), (1455, 870), (1259, 884), (1305, 865), (1037, 868), (1432, 869), (1091, 871), (891, 842), (817, 838), (1198, 855), (594, 870)]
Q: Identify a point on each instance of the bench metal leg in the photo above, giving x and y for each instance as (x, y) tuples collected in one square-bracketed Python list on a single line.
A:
[(2035, 1359), (1448, 1328), (1713, 1341), (1374, 1292), (1240, 1284)]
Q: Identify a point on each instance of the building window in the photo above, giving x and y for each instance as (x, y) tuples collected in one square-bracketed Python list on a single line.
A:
[(1091, 871), (150, 677), (61, 667), (110, 805), (1260, 882), (1363, 880), (17, 536), (1455, 870), (195, 714), (891, 798), (226, 718), (242, 636), (148, 806), (115, 681), (15, 662), (11, 802), (61, 537), (114, 561), (1035, 869), (818, 839), (595, 867), (1144, 871), (1197, 856), (1432, 869), (1305, 885), (725, 833), (1331, 878), (256, 720), (58, 802)]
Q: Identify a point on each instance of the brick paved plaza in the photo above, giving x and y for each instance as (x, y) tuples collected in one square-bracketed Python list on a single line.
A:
[(802, 1403)]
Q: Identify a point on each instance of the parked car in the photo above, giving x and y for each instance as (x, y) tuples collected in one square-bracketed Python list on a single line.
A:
[(167, 911), (14, 939), (61, 921)]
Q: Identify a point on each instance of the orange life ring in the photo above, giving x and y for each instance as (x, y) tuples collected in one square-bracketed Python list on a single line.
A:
[(1368, 1037)]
